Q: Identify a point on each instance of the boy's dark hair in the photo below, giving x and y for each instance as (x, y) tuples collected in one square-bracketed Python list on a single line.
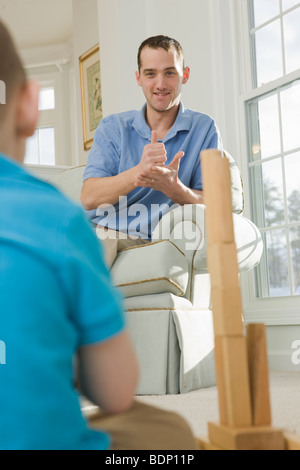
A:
[(156, 42), (11, 68)]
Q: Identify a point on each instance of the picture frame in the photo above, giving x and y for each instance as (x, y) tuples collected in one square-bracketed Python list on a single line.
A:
[(91, 97)]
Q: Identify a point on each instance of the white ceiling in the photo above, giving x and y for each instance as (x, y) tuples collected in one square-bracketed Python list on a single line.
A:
[(38, 22)]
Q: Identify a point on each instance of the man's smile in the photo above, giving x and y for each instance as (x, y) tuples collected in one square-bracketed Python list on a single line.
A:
[(161, 93)]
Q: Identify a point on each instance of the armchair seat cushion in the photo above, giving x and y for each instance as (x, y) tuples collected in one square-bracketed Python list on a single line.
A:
[(151, 269)]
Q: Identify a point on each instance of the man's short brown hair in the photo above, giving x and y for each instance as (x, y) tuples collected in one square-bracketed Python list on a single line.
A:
[(11, 69), (156, 42)]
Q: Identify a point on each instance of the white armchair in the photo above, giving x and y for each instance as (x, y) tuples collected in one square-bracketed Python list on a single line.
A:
[(166, 288)]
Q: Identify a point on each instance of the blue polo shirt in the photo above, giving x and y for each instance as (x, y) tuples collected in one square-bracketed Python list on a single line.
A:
[(119, 142), (55, 296)]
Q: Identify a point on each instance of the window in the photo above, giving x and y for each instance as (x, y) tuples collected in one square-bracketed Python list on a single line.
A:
[(40, 148), (51, 148), (275, 36), (47, 99), (273, 120)]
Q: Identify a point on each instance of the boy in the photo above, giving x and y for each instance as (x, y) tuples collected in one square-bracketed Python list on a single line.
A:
[(56, 300)]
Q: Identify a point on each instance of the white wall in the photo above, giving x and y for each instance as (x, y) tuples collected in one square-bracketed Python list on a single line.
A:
[(124, 24), (284, 347), (85, 36), (205, 29)]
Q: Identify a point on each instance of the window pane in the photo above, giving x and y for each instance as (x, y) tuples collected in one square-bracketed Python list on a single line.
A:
[(292, 172), (273, 192), (290, 110), (291, 23), (254, 132), (269, 126), (32, 149), (295, 255), (257, 194), (265, 10), (46, 99), (47, 146), (277, 263), (286, 4), (268, 53)]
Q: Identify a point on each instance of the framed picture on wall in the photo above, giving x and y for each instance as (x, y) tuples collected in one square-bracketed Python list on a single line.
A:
[(91, 98)]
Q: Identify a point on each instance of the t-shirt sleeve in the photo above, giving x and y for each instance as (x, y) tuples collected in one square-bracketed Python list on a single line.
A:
[(212, 140), (104, 157), (96, 306)]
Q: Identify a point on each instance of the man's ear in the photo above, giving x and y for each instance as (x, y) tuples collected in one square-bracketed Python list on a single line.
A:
[(28, 108), (186, 74), (138, 79)]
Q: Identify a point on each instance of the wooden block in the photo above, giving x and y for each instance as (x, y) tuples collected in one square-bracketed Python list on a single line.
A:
[(251, 438), (217, 196), (205, 444), (232, 375), (292, 441), (221, 383), (227, 311), (259, 374), (222, 265)]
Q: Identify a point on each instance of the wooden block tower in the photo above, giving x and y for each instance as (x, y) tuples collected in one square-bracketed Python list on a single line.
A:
[(240, 358)]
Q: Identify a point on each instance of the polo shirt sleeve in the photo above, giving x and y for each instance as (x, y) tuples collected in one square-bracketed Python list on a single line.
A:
[(104, 157), (96, 307), (212, 140)]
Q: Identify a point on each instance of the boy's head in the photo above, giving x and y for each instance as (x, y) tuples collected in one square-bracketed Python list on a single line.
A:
[(163, 42), (19, 113)]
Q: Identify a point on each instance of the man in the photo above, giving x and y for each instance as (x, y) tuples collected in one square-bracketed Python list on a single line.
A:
[(151, 157), (52, 275)]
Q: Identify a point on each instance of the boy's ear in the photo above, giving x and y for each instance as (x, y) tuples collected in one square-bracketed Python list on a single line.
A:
[(28, 108)]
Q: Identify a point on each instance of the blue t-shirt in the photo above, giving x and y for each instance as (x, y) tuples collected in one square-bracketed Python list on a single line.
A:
[(118, 145), (55, 295)]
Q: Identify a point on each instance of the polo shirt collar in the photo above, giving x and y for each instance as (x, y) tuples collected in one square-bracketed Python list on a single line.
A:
[(183, 122)]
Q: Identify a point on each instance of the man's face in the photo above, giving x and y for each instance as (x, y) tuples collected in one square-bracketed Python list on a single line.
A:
[(161, 77)]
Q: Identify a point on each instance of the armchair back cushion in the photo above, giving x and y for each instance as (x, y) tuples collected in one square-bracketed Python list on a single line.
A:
[(237, 190)]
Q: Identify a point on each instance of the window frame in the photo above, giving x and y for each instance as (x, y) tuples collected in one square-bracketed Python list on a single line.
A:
[(286, 224), (268, 310), (50, 76)]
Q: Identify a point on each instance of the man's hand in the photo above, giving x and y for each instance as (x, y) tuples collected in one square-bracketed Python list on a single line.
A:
[(158, 176), (161, 178), (154, 155)]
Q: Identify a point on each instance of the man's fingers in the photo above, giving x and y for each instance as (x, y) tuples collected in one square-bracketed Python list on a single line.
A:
[(154, 137), (176, 159), (179, 155), (157, 152)]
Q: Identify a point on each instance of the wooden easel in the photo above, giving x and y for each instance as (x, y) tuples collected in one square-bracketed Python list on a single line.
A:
[(240, 357)]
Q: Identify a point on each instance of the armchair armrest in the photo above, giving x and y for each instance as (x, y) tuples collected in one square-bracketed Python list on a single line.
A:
[(185, 227)]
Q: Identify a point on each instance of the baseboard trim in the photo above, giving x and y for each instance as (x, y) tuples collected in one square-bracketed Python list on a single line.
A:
[(283, 361)]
